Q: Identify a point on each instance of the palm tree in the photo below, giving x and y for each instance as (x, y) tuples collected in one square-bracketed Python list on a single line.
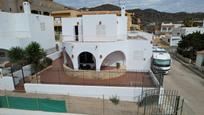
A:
[(17, 57), (34, 53)]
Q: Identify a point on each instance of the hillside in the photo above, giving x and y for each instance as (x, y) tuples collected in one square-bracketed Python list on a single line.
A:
[(148, 16), (108, 7)]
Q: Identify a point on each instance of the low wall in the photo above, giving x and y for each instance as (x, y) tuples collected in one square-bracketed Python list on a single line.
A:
[(54, 55), (124, 93), (154, 78), (6, 83), (4, 111), (186, 60), (92, 74)]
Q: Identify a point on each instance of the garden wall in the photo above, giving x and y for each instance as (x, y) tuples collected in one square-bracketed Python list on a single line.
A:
[(6, 83), (92, 74), (124, 93), (54, 55), (26, 112)]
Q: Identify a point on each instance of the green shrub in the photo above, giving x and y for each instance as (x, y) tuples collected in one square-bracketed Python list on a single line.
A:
[(48, 61), (114, 99)]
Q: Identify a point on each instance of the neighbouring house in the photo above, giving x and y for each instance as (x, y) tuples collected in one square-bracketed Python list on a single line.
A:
[(43, 7), (20, 29), (200, 59), (176, 34), (166, 27), (102, 41)]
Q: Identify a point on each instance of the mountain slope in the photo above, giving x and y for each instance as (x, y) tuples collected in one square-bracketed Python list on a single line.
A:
[(148, 16)]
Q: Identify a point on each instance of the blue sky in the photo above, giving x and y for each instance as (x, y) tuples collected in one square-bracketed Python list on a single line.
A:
[(161, 5)]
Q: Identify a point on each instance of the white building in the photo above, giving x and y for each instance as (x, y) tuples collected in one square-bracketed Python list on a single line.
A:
[(19, 29), (200, 58), (100, 41), (175, 36), (168, 27)]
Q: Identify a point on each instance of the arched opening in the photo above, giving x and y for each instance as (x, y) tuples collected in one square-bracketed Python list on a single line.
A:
[(86, 61), (115, 60)]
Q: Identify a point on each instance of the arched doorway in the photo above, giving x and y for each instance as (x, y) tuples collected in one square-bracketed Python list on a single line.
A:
[(115, 60), (86, 61)]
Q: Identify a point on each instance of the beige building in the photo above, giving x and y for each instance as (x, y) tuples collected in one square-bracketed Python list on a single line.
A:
[(44, 7), (77, 13)]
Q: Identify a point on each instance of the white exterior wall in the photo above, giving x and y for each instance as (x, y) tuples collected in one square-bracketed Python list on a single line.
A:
[(45, 38), (6, 83), (68, 31), (7, 31), (137, 52), (19, 29), (113, 28), (174, 40), (90, 23), (199, 60), (190, 30), (122, 28), (4, 111), (124, 93)]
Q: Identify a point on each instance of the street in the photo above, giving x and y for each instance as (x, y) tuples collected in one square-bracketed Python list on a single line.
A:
[(189, 85)]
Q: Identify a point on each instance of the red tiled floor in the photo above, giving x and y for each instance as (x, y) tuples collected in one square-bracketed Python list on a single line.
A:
[(56, 75)]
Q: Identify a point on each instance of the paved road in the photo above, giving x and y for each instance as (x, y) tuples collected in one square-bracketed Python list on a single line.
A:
[(189, 85)]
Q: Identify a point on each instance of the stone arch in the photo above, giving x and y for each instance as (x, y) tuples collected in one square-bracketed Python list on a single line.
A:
[(116, 59), (86, 61)]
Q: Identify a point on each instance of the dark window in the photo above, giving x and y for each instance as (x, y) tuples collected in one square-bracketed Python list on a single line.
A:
[(76, 32), (58, 29), (46, 13), (34, 12), (21, 8), (10, 9)]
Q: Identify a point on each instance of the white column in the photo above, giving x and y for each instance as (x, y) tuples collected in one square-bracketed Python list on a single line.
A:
[(161, 96), (98, 64), (75, 62)]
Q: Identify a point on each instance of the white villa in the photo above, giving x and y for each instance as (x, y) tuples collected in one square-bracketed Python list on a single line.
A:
[(19, 29), (99, 42)]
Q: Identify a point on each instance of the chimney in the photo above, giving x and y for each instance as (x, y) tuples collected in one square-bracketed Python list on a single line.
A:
[(122, 6), (26, 7)]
